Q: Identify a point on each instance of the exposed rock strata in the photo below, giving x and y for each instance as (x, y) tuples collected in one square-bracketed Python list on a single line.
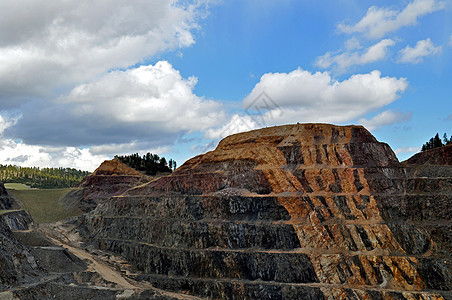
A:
[(17, 219), (43, 263), (35, 265), (6, 200), (17, 264), (306, 211), (435, 156), (111, 178)]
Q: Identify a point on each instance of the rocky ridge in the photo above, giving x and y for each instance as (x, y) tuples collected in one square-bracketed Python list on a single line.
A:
[(111, 178), (307, 211), (436, 156)]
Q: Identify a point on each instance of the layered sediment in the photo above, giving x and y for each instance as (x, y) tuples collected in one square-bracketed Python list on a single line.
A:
[(17, 264), (111, 178), (307, 211), (435, 156)]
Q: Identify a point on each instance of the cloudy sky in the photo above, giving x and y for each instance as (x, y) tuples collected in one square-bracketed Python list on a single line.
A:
[(81, 81)]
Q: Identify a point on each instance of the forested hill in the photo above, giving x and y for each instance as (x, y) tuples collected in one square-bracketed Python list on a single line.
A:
[(45, 178), (149, 164)]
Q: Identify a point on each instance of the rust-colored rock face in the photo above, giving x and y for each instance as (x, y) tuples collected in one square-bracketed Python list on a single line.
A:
[(307, 211), (112, 167), (435, 156), (111, 178)]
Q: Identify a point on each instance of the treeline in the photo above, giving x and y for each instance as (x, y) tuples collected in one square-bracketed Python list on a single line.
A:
[(150, 164), (45, 178), (436, 142)]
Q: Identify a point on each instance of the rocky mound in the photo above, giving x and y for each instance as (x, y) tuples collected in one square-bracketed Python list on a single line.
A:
[(111, 168), (307, 211), (435, 156), (17, 264), (111, 178), (6, 201)]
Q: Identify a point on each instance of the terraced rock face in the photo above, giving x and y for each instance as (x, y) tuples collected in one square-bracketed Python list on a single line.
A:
[(17, 264), (111, 178), (307, 211)]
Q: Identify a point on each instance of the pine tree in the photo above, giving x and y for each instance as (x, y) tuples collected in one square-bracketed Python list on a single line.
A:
[(149, 163), (436, 142)]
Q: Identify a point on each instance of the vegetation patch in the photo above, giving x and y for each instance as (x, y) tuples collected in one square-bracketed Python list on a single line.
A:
[(16, 186), (149, 164), (45, 178), (45, 206), (436, 142)]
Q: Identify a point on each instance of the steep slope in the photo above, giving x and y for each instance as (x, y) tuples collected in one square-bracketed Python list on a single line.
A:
[(307, 211), (435, 156), (17, 264), (111, 178), (6, 201)]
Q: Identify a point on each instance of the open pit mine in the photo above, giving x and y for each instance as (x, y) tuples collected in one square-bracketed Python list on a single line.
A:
[(306, 211)]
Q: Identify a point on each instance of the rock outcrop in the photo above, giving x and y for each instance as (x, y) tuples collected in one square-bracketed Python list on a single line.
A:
[(17, 219), (111, 178), (17, 264), (311, 211), (435, 156), (6, 200)]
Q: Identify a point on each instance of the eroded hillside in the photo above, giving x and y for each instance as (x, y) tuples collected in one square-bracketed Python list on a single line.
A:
[(111, 178), (307, 211), (310, 211)]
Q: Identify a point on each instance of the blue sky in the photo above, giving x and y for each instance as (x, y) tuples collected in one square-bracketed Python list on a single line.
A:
[(80, 83)]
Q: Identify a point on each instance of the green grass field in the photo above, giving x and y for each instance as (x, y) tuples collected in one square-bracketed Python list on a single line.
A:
[(45, 206), (16, 186)]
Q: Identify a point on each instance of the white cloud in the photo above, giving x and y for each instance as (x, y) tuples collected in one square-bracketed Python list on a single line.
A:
[(153, 103), (342, 61), (148, 94), (84, 158), (235, 125), (385, 118), (5, 123), (301, 96), (379, 21), (70, 61), (416, 54), (18, 153), (352, 44), (63, 43), (124, 149), (407, 150)]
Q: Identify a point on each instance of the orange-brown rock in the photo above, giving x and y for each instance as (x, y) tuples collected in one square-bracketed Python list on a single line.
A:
[(111, 178), (308, 211), (111, 168), (435, 156)]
